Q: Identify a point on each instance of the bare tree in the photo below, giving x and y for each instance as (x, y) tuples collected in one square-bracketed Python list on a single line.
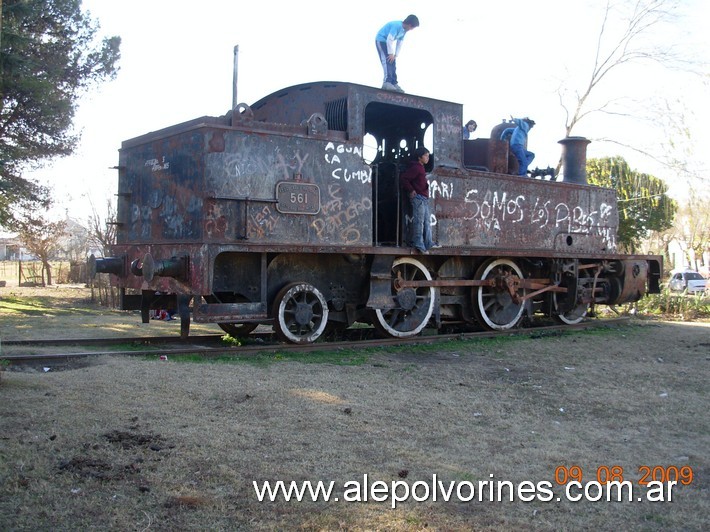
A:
[(693, 230), (659, 242), (628, 35), (680, 150), (103, 236), (103, 230), (614, 52), (41, 238), (76, 242)]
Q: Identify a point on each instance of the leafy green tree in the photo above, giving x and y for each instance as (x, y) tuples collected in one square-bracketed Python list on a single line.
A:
[(643, 202), (49, 56)]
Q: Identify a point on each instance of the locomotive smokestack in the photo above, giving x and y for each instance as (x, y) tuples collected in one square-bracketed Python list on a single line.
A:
[(234, 77), (574, 159)]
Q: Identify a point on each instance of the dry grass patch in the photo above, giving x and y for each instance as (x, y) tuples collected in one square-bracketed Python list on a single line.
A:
[(132, 444), (68, 312)]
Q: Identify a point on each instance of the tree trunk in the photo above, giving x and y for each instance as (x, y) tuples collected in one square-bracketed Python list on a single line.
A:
[(48, 268)]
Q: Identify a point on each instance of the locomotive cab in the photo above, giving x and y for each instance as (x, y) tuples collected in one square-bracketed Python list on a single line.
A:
[(396, 131)]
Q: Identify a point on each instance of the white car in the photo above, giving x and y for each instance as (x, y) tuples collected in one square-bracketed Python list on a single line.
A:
[(689, 281)]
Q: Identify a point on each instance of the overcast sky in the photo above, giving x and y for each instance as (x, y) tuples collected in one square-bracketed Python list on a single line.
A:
[(496, 58)]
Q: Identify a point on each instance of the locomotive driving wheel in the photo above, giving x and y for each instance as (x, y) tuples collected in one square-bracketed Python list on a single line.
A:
[(574, 314), (300, 313), (497, 305), (414, 305)]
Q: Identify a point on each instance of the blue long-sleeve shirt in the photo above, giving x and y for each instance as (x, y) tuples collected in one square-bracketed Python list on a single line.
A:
[(392, 33), (520, 133)]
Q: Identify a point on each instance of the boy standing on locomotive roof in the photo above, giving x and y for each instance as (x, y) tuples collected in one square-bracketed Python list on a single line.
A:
[(415, 184), (389, 41)]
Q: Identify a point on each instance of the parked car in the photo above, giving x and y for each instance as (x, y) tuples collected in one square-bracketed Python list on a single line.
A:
[(688, 280)]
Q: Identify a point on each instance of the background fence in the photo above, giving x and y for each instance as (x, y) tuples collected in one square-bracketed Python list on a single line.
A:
[(29, 273)]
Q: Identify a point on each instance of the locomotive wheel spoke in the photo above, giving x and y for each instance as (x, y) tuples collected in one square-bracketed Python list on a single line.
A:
[(578, 312), (300, 313), (416, 304), (493, 305), (394, 317)]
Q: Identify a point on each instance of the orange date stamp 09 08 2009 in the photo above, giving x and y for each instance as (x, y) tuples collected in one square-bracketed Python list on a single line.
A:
[(604, 474)]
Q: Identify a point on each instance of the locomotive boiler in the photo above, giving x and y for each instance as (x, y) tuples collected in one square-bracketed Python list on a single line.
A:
[(288, 213)]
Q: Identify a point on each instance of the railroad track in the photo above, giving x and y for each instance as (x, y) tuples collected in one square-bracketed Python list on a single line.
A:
[(212, 345)]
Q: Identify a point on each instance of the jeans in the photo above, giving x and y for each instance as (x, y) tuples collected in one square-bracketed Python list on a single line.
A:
[(389, 69), (421, 223), (523, 156)]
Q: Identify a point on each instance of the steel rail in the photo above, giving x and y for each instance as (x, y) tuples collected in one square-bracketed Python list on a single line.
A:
[(260, 348)]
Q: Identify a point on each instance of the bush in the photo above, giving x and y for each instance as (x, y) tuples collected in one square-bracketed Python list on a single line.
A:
[(673, 305)]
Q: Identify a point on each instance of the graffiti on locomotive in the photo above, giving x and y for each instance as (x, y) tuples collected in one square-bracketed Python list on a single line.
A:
[(346, 162), (493, 208), (339, 218)]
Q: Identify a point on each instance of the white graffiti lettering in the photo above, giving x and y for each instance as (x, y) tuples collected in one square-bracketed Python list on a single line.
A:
[(540, 213), (332, 160), (444, 190), (363, 176), (492, 208), (495, 207), (157, 165), (348, 160)]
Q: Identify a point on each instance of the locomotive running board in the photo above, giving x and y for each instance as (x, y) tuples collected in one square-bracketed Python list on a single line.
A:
[(229, 312)]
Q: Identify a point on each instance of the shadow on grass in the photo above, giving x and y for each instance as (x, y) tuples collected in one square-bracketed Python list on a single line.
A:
[(45, 306)]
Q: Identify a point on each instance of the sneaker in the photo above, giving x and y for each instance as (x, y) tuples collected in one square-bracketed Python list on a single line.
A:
[(389, 86), (435, 246), (422, 251), (398, 88)]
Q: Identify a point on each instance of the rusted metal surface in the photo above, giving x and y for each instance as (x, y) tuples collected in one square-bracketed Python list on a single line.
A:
[(233, 208), (574, 159), (635, 279), (226, 185), (509, 212)]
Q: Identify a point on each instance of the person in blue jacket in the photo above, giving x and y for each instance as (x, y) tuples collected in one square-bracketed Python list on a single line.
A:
[(389, 41), (519, 141), (469, 129)]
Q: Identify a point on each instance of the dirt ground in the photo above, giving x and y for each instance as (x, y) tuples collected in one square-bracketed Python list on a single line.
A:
[(144, 444)]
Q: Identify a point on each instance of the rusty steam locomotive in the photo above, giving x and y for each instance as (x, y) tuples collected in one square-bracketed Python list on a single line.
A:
[(273, 214)]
